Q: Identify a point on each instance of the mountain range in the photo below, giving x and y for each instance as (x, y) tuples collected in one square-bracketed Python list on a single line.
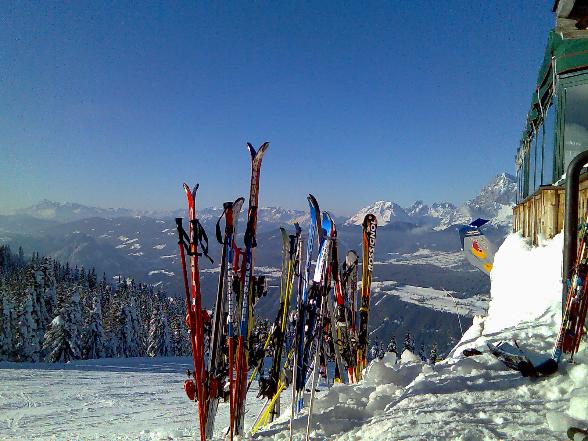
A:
[(493, 201)]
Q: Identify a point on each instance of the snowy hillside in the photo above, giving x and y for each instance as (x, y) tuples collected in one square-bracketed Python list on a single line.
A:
[(475, 398), (494, 202), (70, 211), (384, 211)]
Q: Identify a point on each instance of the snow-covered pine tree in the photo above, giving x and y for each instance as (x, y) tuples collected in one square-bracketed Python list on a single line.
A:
[(93, 344), (6, 327), (6, 260), (56, 343), (422, 352), (159, 339), (49, 288), (408, 343), (28, 344), (433, 356), (21, 258), (74, 324), (128, 331), (178, 330), (145, 298), (392, 346), (35, 284), (112, 304), (92, 279), (62, 339)]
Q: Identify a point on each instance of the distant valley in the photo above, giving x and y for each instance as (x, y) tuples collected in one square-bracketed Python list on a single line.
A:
[(417, 250)]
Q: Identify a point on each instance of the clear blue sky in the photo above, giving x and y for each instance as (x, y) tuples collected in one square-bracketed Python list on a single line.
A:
[(115, 105)]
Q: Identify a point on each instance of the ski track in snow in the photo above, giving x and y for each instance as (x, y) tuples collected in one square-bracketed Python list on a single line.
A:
[(123, 399)]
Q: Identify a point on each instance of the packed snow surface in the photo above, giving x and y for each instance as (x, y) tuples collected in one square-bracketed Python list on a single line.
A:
[(122, 399)]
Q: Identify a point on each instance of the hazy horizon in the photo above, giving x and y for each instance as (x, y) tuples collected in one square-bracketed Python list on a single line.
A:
[(347, 213)]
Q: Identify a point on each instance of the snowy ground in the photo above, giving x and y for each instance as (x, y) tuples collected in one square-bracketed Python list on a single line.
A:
[(424, 256), (474, 398), (124, 398), (430, 298), (460, 398)]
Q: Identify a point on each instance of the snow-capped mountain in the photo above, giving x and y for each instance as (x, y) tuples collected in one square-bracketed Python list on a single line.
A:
[(494, 202), (70, 211), (384, 211)]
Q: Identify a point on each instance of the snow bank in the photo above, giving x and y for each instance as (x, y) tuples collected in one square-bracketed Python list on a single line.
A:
[(468, 398), (526, 282)]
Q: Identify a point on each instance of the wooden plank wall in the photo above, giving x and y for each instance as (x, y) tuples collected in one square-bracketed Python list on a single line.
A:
[(542, 214)]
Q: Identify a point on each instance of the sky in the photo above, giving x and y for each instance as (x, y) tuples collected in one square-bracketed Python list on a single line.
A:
[(116, 104)]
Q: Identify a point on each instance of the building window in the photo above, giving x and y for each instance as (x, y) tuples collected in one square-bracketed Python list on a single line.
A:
[(548, 142), (534, 169), (575, 136), (526, 173)]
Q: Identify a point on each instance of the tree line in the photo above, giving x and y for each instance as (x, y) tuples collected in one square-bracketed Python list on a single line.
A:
[(52, 312)]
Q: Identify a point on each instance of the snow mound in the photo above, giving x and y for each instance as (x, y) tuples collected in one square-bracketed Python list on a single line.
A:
[(467, 398), (526, 282)]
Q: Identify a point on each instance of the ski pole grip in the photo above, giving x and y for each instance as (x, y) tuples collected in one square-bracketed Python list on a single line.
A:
[(180, 229)]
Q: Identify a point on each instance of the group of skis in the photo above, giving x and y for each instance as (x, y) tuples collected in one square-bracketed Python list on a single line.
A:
[(318, 323)]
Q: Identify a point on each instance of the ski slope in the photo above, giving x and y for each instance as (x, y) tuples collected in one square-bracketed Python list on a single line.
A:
[(122, 399)]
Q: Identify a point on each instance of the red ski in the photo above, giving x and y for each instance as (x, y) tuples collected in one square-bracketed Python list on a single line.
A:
[(195, 244)]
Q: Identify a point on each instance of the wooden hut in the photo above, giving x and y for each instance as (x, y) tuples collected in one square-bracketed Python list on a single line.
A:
[(556, 129)]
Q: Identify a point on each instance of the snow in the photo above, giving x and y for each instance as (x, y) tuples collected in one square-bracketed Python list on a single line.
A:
[(517, 295), (385, 212), (429, 298), (459, 398), (57, 321), (468, 398), (161, 246), (425, 256), (123, 399), (167, 273), (494, 202)]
